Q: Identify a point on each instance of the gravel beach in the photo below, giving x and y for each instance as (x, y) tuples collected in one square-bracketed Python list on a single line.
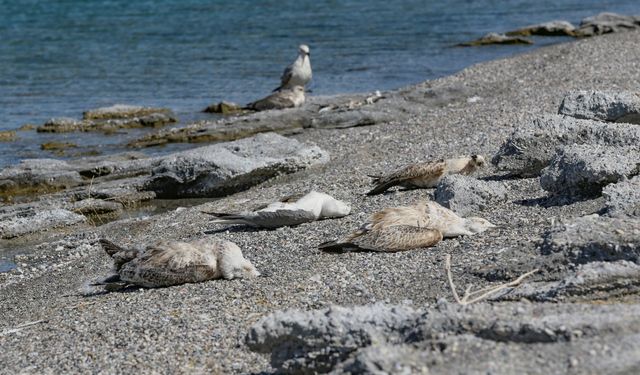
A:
[(201, 328)]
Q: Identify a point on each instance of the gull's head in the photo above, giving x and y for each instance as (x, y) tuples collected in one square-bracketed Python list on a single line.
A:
[(232, 265), (478, 224), (334, 208), (478, 161), (303, 50)]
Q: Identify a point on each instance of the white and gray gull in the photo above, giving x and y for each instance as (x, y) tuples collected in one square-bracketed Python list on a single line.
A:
[(311, 207), (299, 72)]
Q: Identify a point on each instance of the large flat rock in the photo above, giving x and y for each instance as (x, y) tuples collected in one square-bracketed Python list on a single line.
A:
[(595, 238), (585, 169), (226, 168), (614, 106), (533, 144), (448, 338), (21, 220), (590, 281)]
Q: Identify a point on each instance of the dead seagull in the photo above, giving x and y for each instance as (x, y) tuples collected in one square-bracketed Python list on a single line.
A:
[(169, 263), (299, 72), (408, 227), (427, 174), (311, 207), (286, 98)]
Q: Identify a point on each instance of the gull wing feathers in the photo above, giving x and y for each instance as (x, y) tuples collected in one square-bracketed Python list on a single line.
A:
[(169, 263), (386, 239), (267, 219), (420, 175)]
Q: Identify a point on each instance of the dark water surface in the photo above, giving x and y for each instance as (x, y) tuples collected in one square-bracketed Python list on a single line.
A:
[(58, 58)]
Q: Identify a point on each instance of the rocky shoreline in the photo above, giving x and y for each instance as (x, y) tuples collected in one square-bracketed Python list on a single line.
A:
[(559, 208)]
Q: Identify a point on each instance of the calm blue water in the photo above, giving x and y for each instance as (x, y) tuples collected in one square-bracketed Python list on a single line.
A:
[(58, 58)]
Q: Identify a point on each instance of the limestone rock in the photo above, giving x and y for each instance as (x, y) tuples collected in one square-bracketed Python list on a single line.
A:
[(533, 144), (623, 198), (595, 238), (109, 119), (449, 339), (590, 281), (225, 168), (37, 175), (605, 23), (466, 195), (551, 28), (495, 38), (586, 169), (225, 108), (602, 105), (22, 219), (122, 111), (7, 135), (92, 206)]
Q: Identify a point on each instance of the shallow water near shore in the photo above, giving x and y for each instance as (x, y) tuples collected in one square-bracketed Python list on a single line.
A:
[(61, 58)]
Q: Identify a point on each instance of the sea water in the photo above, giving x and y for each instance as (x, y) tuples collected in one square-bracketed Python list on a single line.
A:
[(59, 58)]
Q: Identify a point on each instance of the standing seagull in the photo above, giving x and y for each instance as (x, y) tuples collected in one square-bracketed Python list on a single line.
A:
[(427, 174), (408, 227), (299, 72)]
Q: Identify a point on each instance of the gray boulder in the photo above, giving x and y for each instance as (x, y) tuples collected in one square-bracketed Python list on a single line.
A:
[(447, 339), (466, 195), (605, 23), (585, 169), (226, 168), (594, 238), (551, 28), (602, 105), (623, 198), (533, 144)]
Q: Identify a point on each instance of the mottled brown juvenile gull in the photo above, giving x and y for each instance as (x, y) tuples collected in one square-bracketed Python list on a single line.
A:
[(286, 98), (408, 227), (427, 174), (169, 263), (299, 72), (311, 207)]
